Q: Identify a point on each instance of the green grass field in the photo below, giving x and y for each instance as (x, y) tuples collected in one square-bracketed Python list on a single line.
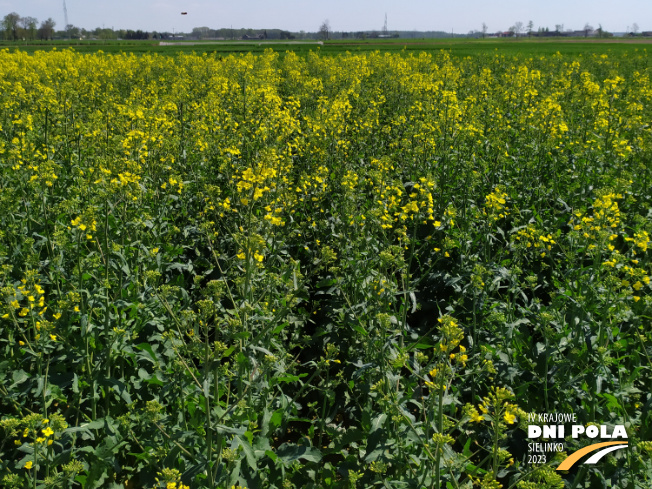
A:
[(456, 47)]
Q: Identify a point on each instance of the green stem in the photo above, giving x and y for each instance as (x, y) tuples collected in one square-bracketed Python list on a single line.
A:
[(495, 448), (323, 412), (580, 476), (35, 467), (440, 429), (209, 427)]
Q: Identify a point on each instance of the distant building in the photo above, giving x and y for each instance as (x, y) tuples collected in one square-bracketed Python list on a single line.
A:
[(259, 36), (583, 33)]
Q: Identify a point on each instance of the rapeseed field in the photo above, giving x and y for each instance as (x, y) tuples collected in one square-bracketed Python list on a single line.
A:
[(369, 270)]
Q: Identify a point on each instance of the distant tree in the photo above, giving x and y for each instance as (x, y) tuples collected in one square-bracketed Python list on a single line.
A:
[(29, 27), (46, 30), (10, 26), (199, 32), (530, 28), (634, 28), (104, 33), (484, 30), (600, 31), (135, 35), (325, 29), (518, 27), (559, 28), (588, 29), (73, 31)]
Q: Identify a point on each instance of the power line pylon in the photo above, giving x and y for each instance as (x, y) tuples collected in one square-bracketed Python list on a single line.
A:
[(65, 14)]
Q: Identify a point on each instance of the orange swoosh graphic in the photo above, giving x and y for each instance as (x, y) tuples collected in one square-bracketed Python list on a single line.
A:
[(570, 461)]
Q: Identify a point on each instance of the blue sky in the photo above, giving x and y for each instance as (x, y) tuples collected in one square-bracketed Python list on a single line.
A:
[(344, 15)]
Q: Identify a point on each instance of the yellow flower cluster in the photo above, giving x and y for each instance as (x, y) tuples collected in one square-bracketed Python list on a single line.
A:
[(531, 237), (496, 406), (451, 334), (602, 224), (27, 299), (496, 205), (90, 225)]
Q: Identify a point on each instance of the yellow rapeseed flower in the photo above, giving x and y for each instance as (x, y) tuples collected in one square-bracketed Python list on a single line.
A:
[(509, 418)]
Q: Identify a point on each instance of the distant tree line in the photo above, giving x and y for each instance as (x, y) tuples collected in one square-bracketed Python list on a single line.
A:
[(519, 30), (241, 33), (14, 28), (17, 28), (134, 35)]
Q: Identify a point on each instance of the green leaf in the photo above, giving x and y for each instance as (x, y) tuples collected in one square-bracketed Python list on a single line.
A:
[(85, 432), (289, 378), (280, 327), (276, 419), (229, 430), (359, 329), (289, 452), (377, 422), (194, 470), (327, 282), (424, 344), (94, 425), (351, 436), (466, 451), (146, 347), (19, 376), (612, 402), (119, 387), (248, 451)]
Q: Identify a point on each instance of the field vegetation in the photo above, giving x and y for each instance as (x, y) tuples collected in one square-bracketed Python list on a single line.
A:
[(362, 270), (456, 47)]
